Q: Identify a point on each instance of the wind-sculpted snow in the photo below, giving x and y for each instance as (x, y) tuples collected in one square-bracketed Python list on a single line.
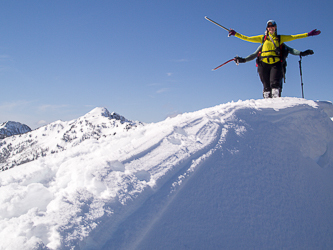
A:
[(251, 174)]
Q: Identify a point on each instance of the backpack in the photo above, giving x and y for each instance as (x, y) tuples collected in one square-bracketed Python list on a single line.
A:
[(281, 51)]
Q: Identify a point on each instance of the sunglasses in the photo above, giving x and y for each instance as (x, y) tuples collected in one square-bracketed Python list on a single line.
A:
[(270, 25)]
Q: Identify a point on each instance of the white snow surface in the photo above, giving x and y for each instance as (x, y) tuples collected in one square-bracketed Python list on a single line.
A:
[(254, 174)]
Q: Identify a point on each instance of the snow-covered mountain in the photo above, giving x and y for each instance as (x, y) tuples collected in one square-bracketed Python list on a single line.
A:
[(253, 174), (59, 136), (13, 128)]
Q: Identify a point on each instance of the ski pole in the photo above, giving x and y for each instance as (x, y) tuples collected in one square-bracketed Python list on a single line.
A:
[(233, 59), (216, 23), (300, 70)]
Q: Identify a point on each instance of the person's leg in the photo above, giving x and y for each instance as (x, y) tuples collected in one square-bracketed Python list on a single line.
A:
[(264, 74), (276, 79)]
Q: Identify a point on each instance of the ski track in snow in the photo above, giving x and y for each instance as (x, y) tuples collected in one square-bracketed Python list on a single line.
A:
[(86, 193)]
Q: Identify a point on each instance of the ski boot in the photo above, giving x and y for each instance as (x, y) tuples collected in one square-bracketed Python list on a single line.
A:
[(275, 93), (267, 94)]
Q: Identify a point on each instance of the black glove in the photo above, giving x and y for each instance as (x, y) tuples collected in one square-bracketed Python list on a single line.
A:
[(239, 60), (307, 52)]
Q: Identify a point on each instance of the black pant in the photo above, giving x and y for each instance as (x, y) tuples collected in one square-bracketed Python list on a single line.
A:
[(270, 75)]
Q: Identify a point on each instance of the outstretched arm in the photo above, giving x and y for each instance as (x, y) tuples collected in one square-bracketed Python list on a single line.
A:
[(292, 51), (296, 52), (284, 38), (287, 38), (254, 55), (252, 39), (249, 57)]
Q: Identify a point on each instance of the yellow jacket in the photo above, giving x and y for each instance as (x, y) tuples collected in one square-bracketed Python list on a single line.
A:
[(268, 48)]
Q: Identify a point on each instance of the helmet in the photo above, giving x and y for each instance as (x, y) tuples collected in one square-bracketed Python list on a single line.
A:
[(272, 22)]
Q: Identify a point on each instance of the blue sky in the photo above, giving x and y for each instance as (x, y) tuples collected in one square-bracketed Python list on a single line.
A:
[(147, 60)]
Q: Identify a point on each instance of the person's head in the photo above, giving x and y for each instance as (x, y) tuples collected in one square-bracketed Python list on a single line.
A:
[(271, 26)]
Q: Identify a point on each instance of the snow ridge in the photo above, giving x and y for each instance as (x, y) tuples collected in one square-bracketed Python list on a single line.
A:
[(242, 175), (59, 136)]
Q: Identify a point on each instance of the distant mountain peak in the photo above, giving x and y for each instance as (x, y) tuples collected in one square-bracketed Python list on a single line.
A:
[(59, 136), (10, 128), (101, 111)]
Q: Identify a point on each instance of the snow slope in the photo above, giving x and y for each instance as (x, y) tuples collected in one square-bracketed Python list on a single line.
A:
[(253, 174)]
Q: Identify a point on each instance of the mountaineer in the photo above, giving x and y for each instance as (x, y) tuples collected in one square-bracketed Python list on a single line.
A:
[(270, 66)]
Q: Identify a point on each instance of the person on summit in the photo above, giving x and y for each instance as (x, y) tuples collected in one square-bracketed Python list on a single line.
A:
[(285, 50), (270, 66)]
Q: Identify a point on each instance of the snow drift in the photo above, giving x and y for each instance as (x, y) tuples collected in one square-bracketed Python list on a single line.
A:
[(253, 174)]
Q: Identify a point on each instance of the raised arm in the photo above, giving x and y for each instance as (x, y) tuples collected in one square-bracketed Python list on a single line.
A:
[(287, 38), (252, 39)]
